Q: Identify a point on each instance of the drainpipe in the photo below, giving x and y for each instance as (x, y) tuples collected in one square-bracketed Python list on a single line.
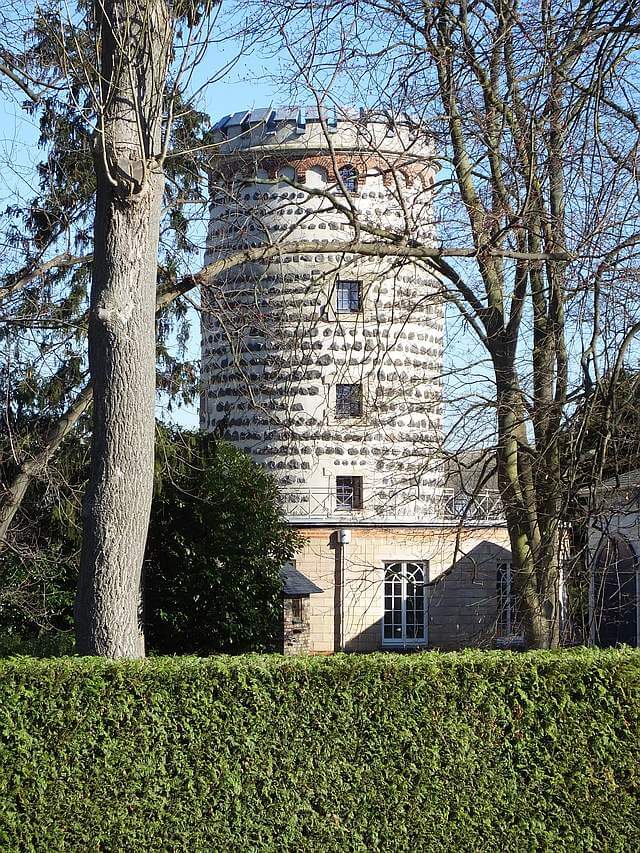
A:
[(344, 538)]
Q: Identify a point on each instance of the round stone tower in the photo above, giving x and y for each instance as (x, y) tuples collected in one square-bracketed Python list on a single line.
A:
[(326, 365)]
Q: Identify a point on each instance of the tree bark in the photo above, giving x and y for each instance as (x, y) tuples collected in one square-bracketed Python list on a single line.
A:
[(134, 51), (534, 534)]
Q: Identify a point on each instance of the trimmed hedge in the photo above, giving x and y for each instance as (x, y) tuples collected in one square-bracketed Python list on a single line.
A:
[(476, 751)]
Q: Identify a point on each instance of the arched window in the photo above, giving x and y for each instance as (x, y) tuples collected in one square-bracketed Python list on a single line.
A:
[(405, 608), (287, 172), (349, 178), (375, 179)]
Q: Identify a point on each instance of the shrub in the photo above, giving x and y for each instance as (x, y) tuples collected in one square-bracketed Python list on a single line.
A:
[(461, 752), (217, 541), (48, 644)]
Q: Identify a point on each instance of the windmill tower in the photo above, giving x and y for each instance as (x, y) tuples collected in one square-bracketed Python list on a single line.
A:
[(325, 365)]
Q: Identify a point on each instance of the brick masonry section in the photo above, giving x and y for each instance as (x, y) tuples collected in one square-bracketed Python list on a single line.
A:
[(296, 625), (363, 164)]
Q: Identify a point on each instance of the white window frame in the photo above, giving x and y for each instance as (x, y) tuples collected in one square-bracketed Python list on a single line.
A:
[(404, 641)]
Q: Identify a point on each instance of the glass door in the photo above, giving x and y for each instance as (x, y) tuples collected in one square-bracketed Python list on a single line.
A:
[(404, 622)]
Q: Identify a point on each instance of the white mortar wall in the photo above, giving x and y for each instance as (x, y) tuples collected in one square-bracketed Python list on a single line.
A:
[(274, 348)]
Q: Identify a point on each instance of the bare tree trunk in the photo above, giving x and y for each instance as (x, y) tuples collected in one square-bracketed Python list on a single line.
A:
[(534, 545), (134, 51)]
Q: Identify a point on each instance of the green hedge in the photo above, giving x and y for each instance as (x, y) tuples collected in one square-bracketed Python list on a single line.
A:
[(475, 751)]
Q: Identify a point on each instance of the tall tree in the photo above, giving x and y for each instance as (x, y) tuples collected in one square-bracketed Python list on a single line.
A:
[(119, 120), (217, 543), (532, 114), (134, 43)]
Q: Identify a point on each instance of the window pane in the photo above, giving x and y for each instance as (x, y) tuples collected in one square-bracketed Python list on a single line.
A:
[(347, 296), (348, 492), (349, 400), (344, 493), (415, 573), (392, 603), (515, 621), (415, 602), (508, 618), (357, 492), (349, 178), (502, 601)]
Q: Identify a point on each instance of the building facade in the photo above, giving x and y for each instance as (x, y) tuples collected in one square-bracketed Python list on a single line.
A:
[(326, 366)]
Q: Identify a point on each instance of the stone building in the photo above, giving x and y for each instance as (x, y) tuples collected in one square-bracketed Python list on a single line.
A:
[(327, 368)]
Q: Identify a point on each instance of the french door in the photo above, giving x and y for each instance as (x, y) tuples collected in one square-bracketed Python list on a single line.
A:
[(405, 604)]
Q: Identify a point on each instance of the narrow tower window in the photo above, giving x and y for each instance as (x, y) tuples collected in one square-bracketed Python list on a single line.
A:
[(287, 172), (317, 177), (348, 492), (348, 296), (349, 401), (349, 178)]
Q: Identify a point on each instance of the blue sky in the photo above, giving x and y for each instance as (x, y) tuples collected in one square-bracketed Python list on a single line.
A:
[(248, 84)]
